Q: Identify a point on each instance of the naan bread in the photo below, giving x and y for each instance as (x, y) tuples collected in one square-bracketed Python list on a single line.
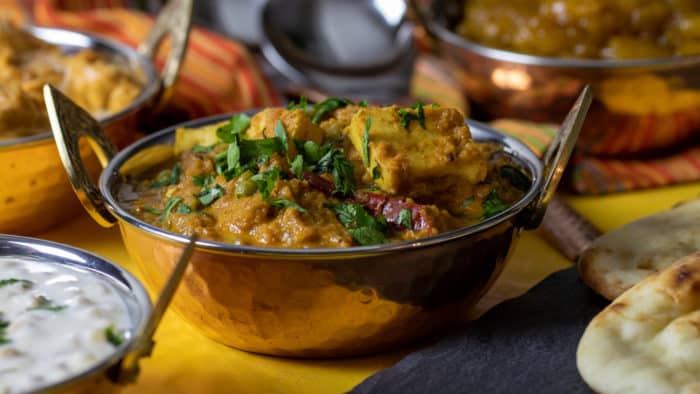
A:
[(648, 339), (623, 257)]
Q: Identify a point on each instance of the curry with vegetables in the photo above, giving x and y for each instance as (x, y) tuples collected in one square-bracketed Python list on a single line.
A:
[(605, 29), (331, 175), (97, 83)]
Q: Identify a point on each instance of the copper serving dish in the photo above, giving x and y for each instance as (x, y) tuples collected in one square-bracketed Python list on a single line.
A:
[(34, 191), (641, 106), (318, 302)]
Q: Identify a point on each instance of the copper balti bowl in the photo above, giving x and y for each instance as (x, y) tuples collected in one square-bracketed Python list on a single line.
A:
[(318, 302), (35, 194), (641, 106), (100, 378)]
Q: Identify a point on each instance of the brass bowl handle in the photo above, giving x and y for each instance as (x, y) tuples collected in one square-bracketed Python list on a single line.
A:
[(128, 368), (175, 19), (70, 123), (557, 156)]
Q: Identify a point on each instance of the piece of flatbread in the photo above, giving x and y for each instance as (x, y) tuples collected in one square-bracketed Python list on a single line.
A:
[(648, 339), (623, 257)]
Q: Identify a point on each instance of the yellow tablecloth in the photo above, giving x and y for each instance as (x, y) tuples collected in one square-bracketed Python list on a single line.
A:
[(185, 362)]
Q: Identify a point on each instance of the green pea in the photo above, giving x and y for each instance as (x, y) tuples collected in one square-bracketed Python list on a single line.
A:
[(245, 188)]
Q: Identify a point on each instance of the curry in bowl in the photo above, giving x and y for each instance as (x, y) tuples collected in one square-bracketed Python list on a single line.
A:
[(591, 29), (335, 175), (99, 83)]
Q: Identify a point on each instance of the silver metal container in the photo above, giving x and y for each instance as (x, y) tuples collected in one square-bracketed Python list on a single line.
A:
[(99, 378)]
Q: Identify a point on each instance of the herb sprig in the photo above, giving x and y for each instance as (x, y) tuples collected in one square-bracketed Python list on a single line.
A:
[(26, 284), (364, 228), (493, 205)]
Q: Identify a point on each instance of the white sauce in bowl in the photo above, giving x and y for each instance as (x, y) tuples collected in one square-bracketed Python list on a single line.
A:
[(56, 321)]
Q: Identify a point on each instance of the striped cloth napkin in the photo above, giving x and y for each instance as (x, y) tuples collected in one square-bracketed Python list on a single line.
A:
[(220, 75)]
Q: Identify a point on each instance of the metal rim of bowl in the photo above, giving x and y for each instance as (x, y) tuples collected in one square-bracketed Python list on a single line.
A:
[(513, 147), (83, 40), (76, 257), (445, 34)]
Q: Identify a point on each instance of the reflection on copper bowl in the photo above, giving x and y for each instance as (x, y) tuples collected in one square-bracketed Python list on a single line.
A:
[(641, 106), (321, 302)]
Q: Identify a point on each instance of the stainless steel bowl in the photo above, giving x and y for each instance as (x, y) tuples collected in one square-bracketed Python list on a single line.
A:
[(641, 106), (96, 379), (319, 302), (34, 191)]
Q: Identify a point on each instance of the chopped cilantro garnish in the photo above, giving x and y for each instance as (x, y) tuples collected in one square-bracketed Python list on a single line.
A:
[(335, 163), (26, 284), (302, 104), (284, 203), (467, 202), (210, 194), (113, 336), (493, 205), (152, 210), (266, 181), (281, 134), (362, 103), (230, 131), (516, 178), (363, 227), (169, 206), (233, 155), (183, 208), (44, 303), (202, 149), (167, 177), (297, 166), (406, 218), (376, 171), (203, 180), (406, 115), (260, 150), (327, 106), (365, 142), (4, 324)]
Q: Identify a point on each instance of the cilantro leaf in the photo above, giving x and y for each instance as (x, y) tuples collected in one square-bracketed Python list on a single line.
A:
[(167, 177), (113, 336), (237, 125), (44, 303), (202, 149), (406, 115), (266, 181), (365, 142), (376, 171), (281, 134), (360, 224), (297, 166), (284, 203), (152, 210), (335, 163), (26, 284), (406, 218), (4, 324), (203, 180), (302, 104), (493, 205), (209, 195), (516, 178), (260, 150), (362, 103), (233, 154), (169, 206), (327, 106), (467, 202)]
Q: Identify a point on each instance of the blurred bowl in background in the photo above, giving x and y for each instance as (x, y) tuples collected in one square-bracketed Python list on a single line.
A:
[(641, 106)]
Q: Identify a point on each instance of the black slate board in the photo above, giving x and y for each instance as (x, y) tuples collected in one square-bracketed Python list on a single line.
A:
[(527, 344)]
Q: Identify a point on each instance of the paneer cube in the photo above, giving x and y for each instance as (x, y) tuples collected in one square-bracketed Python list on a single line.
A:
[(296, 122), (417, 161)]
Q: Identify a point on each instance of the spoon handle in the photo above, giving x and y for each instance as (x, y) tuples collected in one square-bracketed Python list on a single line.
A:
[(143, 345)]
